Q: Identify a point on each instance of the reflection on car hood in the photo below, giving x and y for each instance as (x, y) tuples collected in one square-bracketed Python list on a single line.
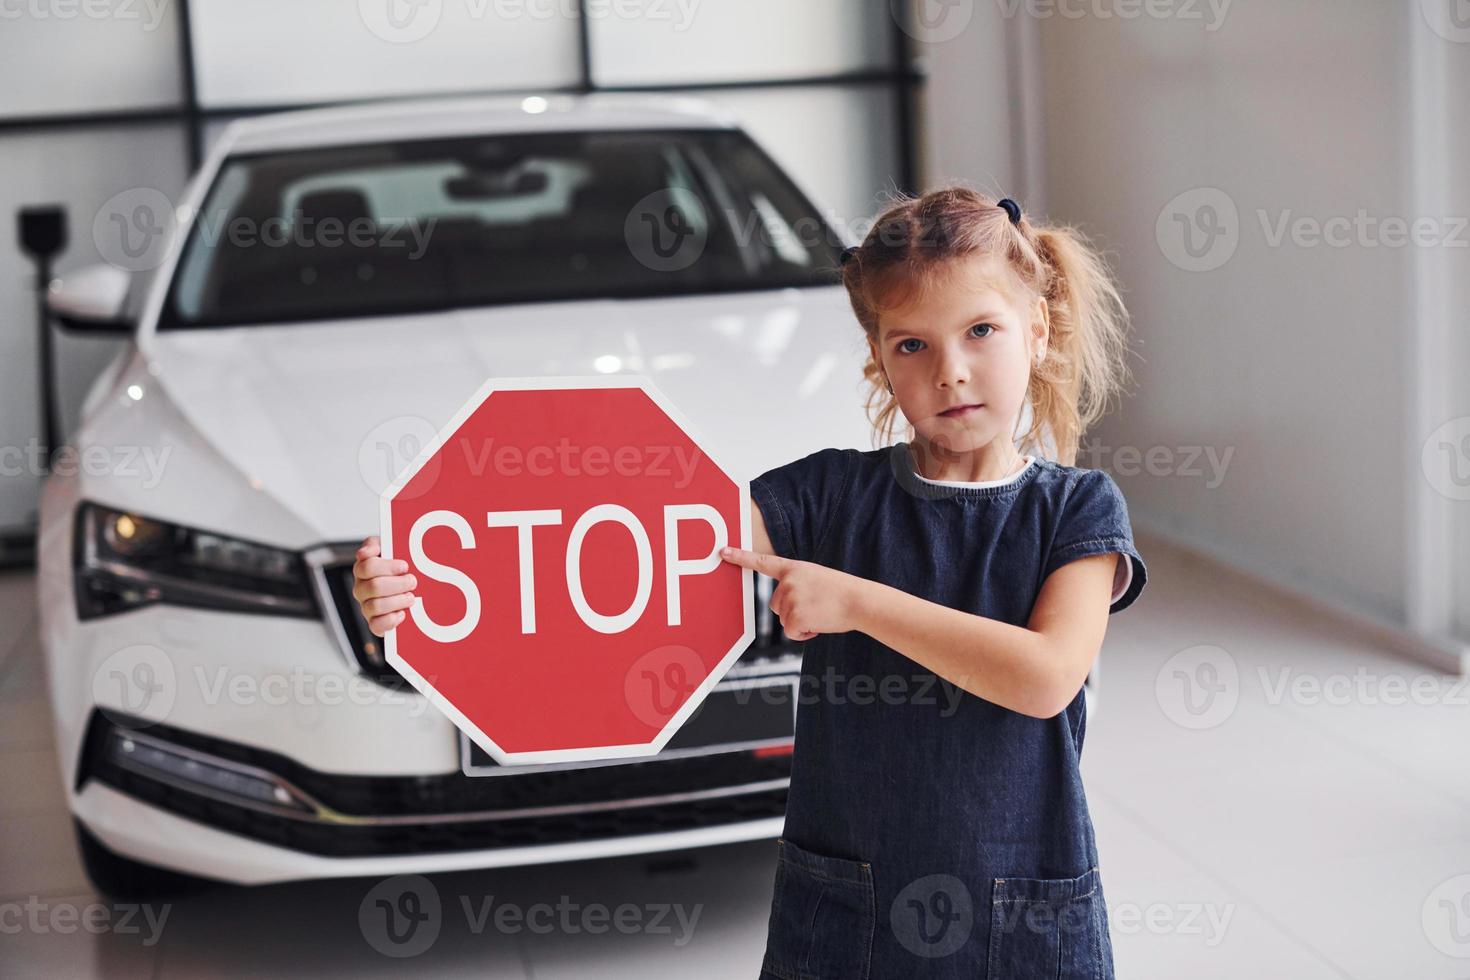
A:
[(321, 414)]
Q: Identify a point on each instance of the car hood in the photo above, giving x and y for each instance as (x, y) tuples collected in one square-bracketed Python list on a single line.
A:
[(322, 416)]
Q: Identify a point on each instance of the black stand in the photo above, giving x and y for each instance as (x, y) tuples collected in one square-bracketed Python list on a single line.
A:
[(42, 236)]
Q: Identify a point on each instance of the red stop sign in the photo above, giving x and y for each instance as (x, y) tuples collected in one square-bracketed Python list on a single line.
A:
[(565, 534)]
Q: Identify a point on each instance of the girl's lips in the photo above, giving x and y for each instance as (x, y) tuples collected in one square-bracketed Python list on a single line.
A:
[(963, 410)]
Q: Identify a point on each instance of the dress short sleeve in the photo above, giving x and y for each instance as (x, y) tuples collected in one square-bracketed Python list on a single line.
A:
[(1094, 521), (799, 501)]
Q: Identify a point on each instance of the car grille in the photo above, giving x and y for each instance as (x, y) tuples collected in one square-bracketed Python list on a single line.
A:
[(367, 650)]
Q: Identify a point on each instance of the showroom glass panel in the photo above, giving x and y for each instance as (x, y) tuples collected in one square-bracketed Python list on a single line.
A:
[(736, 40), (278, 52), (103, 56)]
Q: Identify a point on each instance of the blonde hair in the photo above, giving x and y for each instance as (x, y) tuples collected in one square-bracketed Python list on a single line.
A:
[(905, 254)]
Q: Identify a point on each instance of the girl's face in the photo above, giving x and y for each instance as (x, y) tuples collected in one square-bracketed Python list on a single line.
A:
[(960, 360)]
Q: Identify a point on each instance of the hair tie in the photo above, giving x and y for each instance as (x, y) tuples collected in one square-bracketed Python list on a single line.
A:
[(848, 253), (1012, 208)]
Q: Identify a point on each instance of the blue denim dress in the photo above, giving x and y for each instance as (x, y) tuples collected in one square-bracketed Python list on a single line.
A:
[(929, 832)]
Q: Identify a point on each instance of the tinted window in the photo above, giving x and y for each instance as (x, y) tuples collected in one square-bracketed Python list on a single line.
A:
[(422, 225)]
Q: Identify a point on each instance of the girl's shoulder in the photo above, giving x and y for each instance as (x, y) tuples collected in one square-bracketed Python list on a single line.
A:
[(1073, 490), (1076, 477)]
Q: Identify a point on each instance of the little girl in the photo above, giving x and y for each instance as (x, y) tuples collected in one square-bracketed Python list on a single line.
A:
[(929, 835), (953, 594)]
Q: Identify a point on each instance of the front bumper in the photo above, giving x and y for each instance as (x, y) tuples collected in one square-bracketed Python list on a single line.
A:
[(145, 833), (182, 816)]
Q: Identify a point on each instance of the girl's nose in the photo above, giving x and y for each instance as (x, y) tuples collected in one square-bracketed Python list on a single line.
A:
[(951, 370)]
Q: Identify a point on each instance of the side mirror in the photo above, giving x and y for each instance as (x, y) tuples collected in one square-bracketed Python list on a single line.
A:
[(91, 300)]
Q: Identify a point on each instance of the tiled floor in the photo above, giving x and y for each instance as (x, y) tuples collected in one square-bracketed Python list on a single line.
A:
[(1292, 837)]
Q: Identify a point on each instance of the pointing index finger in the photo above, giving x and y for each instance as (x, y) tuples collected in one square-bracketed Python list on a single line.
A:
[(771, 565)]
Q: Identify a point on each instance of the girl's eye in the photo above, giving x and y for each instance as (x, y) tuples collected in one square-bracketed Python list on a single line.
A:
[(902, 345), (989, 329)]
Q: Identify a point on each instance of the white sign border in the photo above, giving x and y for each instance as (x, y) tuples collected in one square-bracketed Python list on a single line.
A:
[(592, 753)]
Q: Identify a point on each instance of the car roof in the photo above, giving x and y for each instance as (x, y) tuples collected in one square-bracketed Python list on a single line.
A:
[(471, 115)]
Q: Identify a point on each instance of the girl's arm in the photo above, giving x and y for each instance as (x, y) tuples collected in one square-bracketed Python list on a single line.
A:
[(1035, 670), (759, 539)]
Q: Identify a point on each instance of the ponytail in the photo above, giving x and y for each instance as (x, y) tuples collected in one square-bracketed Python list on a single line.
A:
[(1085, 366)]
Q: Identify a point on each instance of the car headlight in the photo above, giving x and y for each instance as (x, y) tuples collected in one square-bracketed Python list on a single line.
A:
[(124, 560)]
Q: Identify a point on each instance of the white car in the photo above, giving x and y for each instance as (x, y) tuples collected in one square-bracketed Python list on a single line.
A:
[(221, 709)]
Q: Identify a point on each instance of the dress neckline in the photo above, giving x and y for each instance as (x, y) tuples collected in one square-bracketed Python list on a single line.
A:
[(902, 463), (1002, 481)]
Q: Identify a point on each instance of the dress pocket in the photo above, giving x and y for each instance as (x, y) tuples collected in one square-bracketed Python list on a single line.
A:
[(822, 917), (1049, 929)]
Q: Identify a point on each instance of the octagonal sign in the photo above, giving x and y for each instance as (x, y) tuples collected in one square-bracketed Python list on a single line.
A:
[(565, 534)]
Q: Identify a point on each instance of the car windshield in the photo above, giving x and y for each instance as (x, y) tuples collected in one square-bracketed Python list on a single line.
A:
[(433, 224)]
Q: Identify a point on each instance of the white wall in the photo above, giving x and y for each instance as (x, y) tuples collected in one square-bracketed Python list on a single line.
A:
[(975, 105), (1452, 194), (1293, 357)]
